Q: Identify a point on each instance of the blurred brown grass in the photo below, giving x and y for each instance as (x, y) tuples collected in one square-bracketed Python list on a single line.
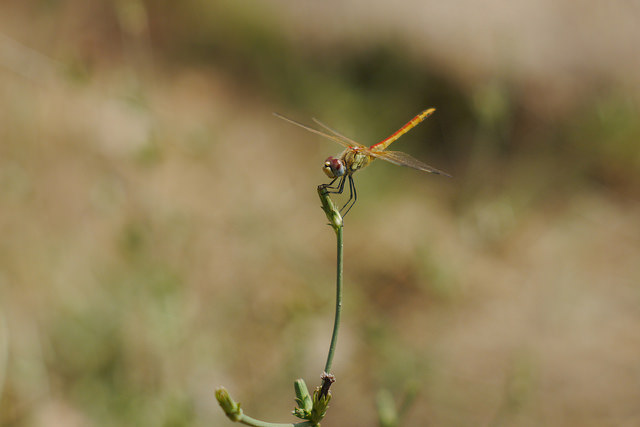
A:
[(161, 233)]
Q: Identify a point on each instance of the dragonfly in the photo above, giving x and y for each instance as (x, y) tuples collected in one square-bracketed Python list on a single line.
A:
[(357, 156)]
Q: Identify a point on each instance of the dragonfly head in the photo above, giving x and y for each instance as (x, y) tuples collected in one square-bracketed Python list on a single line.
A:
[(334, 167)]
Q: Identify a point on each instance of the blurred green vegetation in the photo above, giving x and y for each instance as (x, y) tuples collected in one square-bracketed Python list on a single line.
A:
[(161, 234)]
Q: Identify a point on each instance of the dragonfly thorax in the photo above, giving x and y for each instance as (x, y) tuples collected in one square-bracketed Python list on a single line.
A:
[(334, 167)]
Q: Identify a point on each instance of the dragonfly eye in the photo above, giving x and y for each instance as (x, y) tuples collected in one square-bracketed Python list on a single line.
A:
[(333, 167)]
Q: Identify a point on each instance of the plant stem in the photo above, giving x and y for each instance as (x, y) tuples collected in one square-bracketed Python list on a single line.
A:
[(336, 321), (335, 221), (247, 420), (235, 414), (314, 411)]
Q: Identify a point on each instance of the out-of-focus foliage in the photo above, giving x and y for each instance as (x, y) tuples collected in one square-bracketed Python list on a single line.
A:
[(161, 233)]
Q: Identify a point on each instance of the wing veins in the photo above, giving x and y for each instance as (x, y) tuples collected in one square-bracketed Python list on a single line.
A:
[(400, 158), (338, 134), (316, 131)]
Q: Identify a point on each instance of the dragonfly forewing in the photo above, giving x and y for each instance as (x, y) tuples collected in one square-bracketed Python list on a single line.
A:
[(316, 131), (338, 134)]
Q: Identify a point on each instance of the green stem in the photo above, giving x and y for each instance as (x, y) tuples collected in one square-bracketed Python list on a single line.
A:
[(235, 414), (322, 396), (247, 420), (336, 321), (335, 221)]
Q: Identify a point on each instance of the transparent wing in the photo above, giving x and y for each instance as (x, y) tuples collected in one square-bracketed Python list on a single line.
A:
[(338, 134), (317, 132), (403, 159)]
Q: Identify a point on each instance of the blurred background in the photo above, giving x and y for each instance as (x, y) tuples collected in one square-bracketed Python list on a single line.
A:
[(162, 235)]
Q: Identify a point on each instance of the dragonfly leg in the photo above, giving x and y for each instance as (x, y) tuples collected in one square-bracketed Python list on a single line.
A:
[(339, 188), (353, 196)]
